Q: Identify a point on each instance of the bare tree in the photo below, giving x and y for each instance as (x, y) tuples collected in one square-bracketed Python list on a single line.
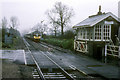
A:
[(4, 26), (41, 27), (14, 22), (4, 23), (60, 15), (54, 29)]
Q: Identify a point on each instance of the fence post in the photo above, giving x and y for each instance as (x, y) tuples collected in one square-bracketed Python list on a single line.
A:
[(74, 44), (105, 53), (119, 51)]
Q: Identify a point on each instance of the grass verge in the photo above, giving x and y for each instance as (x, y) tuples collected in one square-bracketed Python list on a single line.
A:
[(63, 43), (11, 46)]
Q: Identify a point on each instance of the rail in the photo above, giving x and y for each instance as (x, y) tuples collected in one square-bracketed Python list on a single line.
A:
[(76, 69), (66, 73), (68, 76), (39, 70)]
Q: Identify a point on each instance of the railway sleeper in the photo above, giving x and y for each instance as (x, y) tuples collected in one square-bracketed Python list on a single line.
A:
[(53, 73)]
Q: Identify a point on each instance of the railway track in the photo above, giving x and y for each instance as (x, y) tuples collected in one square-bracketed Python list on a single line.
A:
[(56, 72), (74, 69)]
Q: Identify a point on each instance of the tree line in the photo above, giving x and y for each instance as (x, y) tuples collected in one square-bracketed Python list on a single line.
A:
[(58, 17), (13, 22), (5, 26)]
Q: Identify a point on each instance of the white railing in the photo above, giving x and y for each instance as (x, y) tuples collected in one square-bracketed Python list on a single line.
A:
[(113, 50), (80, 46)]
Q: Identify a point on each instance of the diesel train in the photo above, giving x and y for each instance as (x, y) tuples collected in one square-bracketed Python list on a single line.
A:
[(34, 36)]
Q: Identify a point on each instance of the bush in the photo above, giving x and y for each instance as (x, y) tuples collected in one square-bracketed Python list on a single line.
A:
[(5, 45), (64, 43), (69, 34), (68, 44), (0, 45)]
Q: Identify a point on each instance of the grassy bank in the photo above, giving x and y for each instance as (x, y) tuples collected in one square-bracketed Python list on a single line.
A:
[(63, 43), (10, 46), (13, 46)]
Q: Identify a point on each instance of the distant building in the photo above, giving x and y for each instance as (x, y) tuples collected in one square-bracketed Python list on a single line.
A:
[(96, 32), (8, 38), (119, 9), (10, 34)]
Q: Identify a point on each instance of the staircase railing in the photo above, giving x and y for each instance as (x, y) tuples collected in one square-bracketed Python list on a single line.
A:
[(112, 49)]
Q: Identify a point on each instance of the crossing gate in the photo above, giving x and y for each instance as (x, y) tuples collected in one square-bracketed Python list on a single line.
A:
[(112, 50)]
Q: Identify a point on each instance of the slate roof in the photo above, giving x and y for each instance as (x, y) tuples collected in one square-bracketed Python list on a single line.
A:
[(91, 21)]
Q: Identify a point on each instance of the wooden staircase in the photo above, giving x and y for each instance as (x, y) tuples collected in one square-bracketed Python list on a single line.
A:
[(113, 49)]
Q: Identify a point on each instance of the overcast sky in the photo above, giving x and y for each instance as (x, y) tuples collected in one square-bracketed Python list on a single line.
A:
[(30, 12)]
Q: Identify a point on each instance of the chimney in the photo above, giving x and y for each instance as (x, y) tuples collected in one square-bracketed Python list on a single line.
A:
[(119, 9), (99, 13)]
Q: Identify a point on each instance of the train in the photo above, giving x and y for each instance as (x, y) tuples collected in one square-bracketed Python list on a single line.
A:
[(35, 36)]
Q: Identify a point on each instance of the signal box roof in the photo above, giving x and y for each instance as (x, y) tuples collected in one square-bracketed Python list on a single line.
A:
[(93, 20)]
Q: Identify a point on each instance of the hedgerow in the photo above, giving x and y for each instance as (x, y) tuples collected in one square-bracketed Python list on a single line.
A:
[(64, 43)]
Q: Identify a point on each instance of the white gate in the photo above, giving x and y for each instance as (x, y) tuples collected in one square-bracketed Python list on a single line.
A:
[(112, 50)]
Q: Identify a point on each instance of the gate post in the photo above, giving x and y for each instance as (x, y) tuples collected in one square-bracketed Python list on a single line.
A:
[(74, 45), (105, 50), (119, 51), (105, 53)]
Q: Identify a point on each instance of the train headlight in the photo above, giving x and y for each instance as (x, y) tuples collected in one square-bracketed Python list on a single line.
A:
[(36, 37)]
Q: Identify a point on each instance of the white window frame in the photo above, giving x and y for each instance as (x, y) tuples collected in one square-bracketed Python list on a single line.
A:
[(98, 32), (108, 33), (82, 34)]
